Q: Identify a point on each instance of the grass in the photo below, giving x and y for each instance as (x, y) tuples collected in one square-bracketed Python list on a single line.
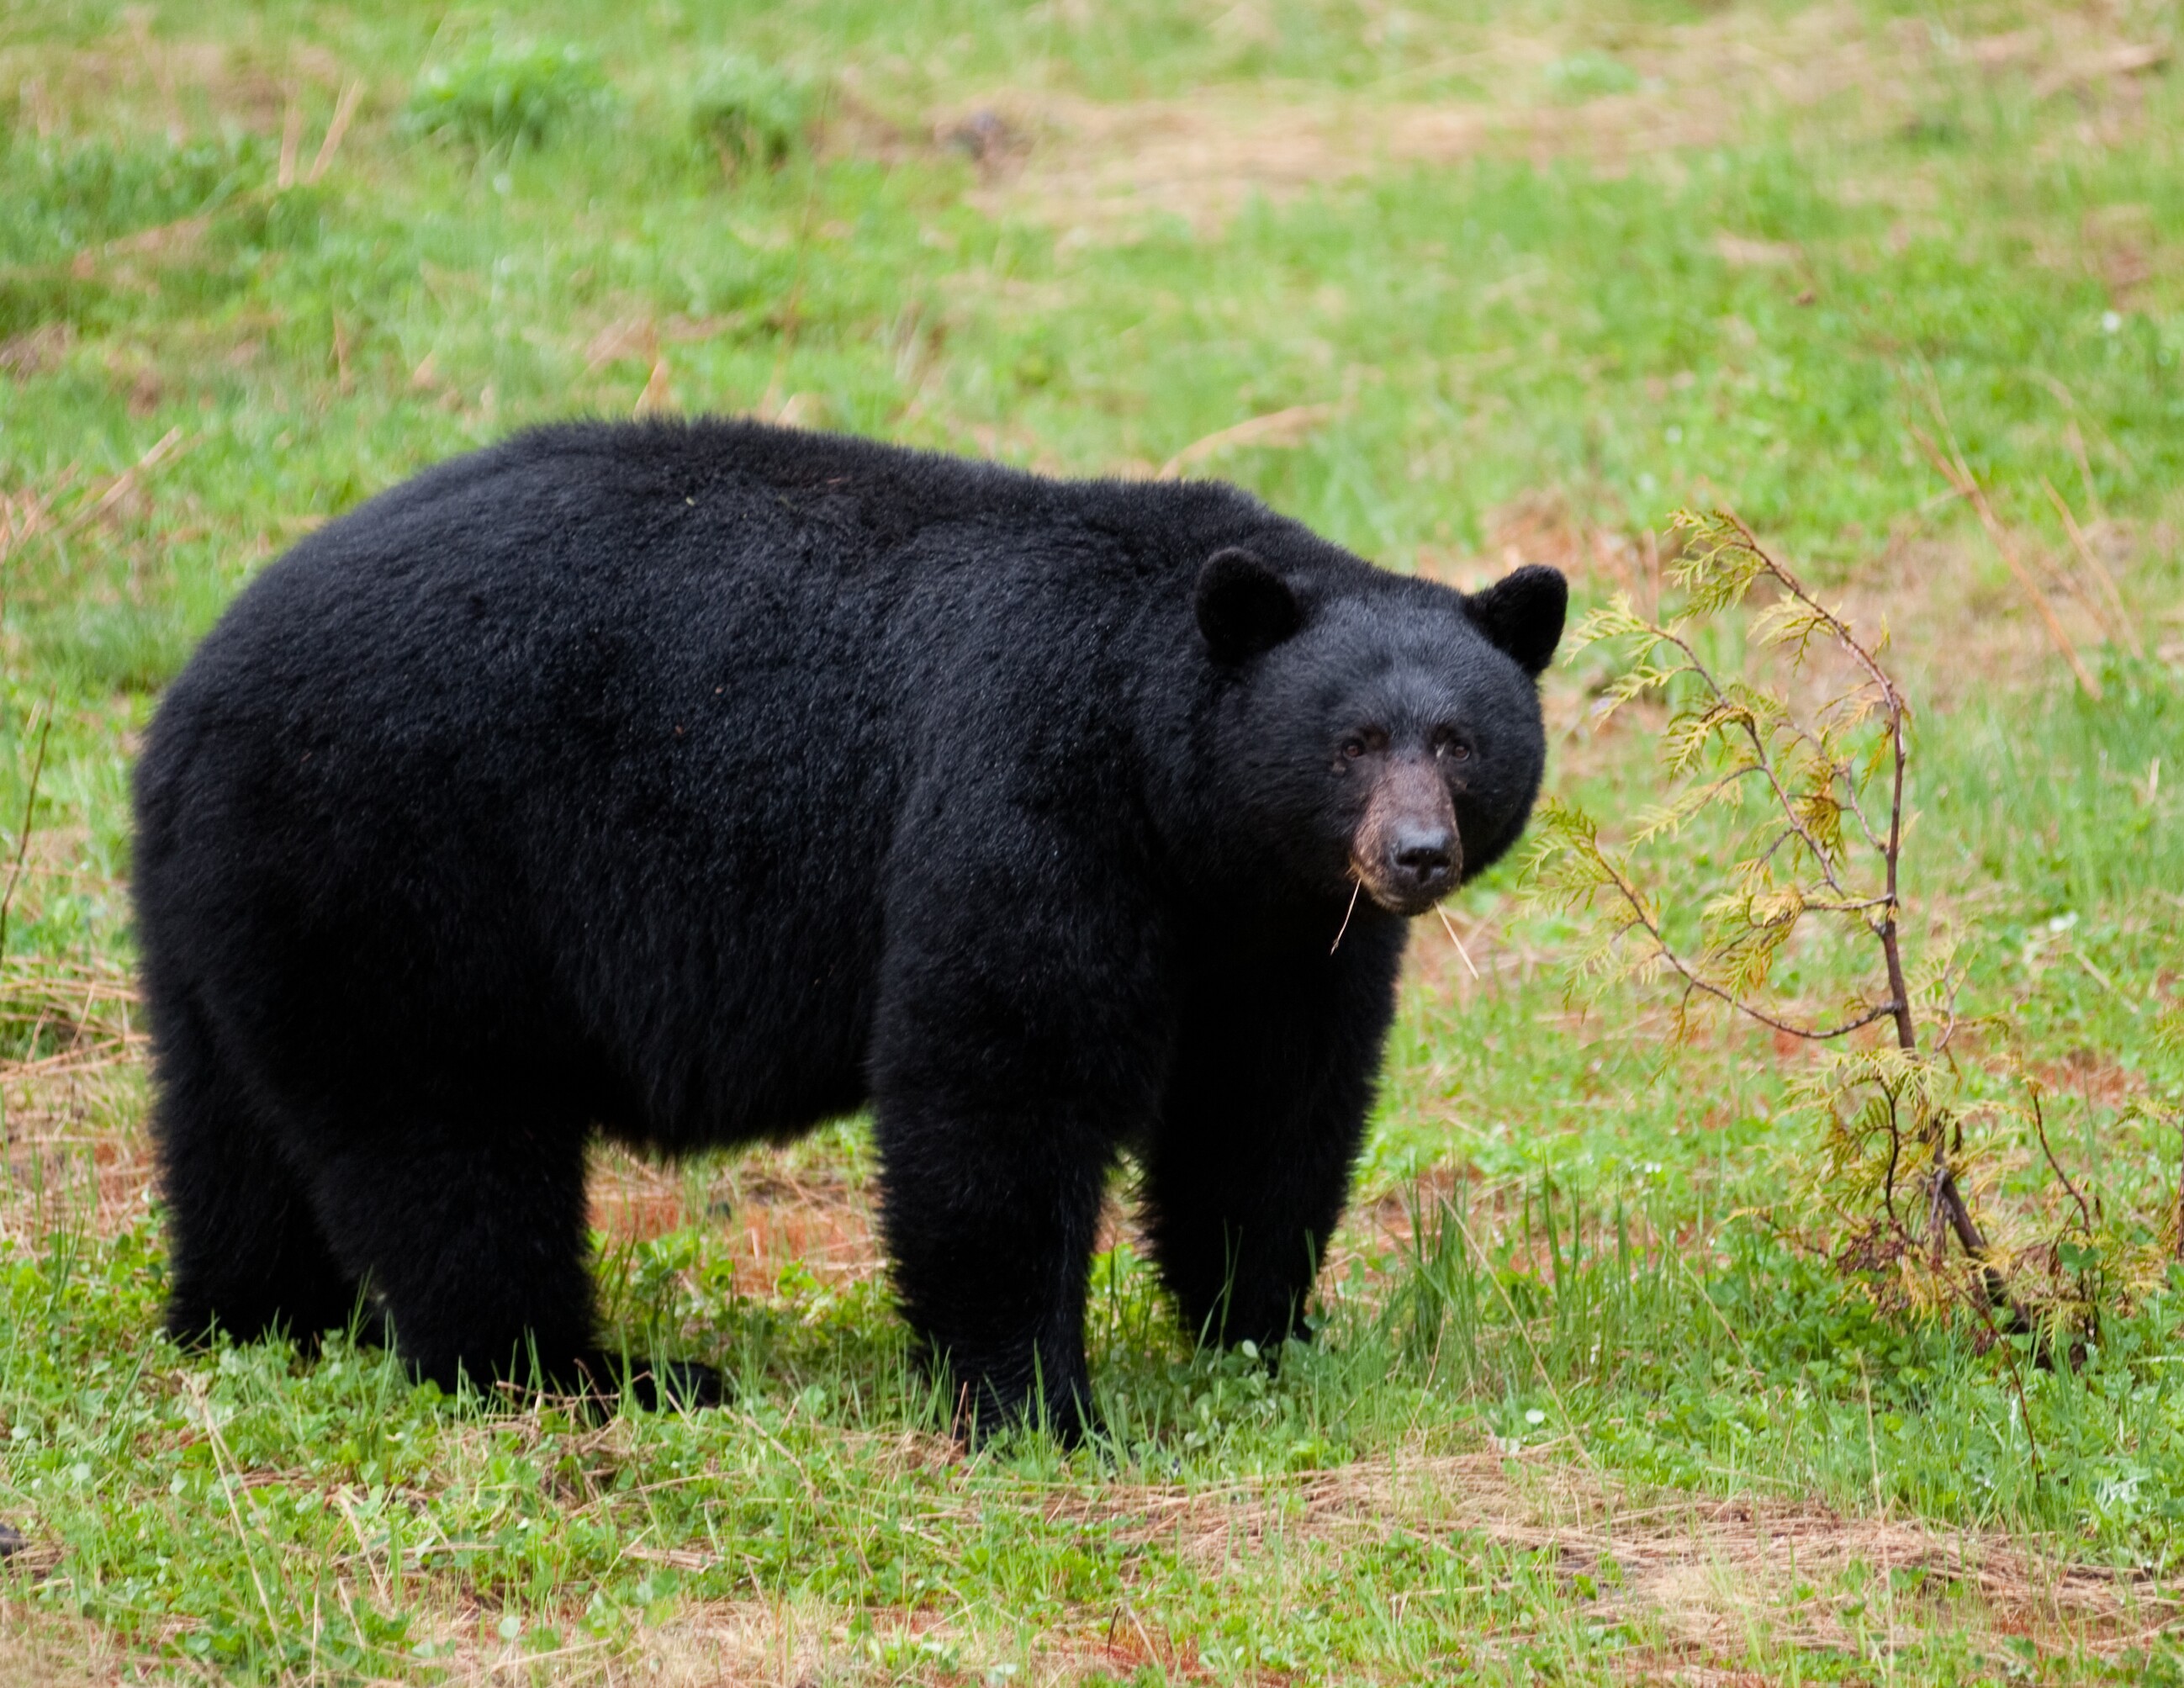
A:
[(1523, 276)]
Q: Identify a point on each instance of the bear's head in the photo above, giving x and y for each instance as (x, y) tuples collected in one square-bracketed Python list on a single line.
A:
[(1373, 731)]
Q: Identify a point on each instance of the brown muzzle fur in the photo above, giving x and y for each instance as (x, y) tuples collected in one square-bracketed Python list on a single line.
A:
[(1406, 852)]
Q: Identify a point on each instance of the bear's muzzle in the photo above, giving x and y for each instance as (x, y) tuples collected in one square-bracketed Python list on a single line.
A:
[(1406, 852)]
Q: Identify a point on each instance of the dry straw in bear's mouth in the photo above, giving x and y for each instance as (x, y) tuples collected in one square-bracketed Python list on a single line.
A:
[(1356, 885)]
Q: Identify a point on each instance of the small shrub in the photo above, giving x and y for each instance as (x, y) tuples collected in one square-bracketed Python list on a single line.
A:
[(1906, 1189), (506, 94), (749, 112)]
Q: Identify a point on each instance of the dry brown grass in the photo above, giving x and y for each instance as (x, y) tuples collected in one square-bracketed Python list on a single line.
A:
[(1707, 1584), (730, 1643), (135, 79), (1101, 169), (73, 1147), (45, 1649), (1697, 1566), (770, 1207)]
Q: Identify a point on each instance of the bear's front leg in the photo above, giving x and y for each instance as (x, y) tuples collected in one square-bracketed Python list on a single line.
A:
[(1249, 1168), (1020, 1039), (989, 1216)]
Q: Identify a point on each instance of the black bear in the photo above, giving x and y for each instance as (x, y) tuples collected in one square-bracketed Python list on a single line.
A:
[(696, 783)]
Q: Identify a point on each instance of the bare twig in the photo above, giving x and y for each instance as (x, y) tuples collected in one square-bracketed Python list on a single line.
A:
[(1895, 1159), (2040, 1129), (1699, 983), (1970, 1237), (1952, 982), (1937, 1244), (1907, 1036), (30, 811), (1991, 1287)]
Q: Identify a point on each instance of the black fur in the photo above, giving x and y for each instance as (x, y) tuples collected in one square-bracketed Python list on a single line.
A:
[(695, 783)]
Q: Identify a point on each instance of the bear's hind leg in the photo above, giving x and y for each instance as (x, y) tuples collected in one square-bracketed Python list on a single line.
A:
[(476, 1254), (245, 1252), (474, 1238)]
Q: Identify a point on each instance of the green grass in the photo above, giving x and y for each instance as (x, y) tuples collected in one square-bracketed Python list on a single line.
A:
[(1582, 1407)]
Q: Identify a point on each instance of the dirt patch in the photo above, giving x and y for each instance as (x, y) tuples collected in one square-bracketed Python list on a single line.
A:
[(1101, 169), (769, 1208), (1932, 594), (36, 350)]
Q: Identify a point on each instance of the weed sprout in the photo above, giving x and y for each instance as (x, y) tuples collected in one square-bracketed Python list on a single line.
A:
[(501, 95), (751, 113)]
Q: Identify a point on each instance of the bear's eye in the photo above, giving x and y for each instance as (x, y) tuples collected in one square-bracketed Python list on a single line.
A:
[(1352, 748), (1357, 744), (1453, 748)]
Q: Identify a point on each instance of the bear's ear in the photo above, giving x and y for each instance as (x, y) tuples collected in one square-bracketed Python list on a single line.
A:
[(1522, 613), (1244, 607)]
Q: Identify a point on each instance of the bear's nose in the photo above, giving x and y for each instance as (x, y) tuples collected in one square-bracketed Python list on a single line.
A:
[(1424, 855)]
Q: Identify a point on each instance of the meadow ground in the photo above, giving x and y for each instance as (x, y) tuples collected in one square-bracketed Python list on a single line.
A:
[(1457, 284)]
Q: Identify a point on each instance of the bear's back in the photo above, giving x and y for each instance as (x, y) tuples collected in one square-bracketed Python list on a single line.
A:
[(599, 523), (612, 725)]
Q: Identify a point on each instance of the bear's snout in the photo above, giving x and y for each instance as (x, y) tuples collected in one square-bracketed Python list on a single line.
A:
[(1406, 852), (1425, 856)]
